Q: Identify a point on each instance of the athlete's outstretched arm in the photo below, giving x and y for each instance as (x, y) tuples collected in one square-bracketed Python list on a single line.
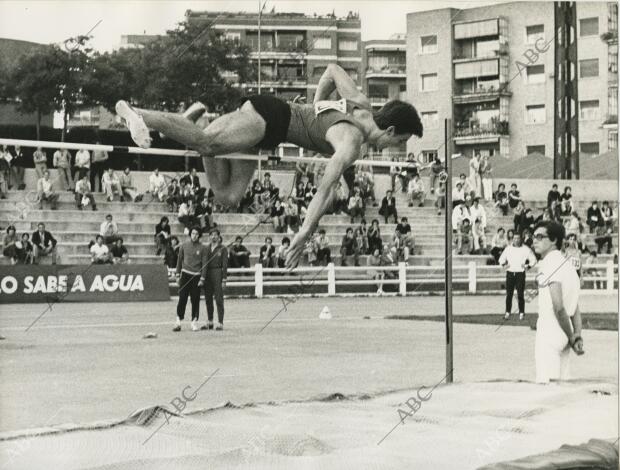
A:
[(335, 78), (347, 141)]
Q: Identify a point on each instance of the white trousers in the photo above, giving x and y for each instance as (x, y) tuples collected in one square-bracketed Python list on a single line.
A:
[(552, 358)]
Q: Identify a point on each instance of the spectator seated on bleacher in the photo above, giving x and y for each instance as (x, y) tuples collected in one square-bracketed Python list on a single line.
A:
[(192, 181), (498, 243), (365, 180), (118, 252), (204, 214), (24, 250), (468, 189), (361, 240), (349, 249), (519, 211), (566, 203), (8, 244), (5, 167), (387, 259), (173, 196), (44, 244), (478, 212), (239, 255), (281, 254), (83, 194), (108, 230), (267, 255), (157, 186), (514, 196), (464, 237), (269, 186), (363, 229), (401, 246), (388, 207), (525, 221), (500, 197), (99, 252), (594, 217), (128, 188), (356, 205), (277, 216), (590, 270), (185, 192), (186, 214), (553, 196), (323, 252), (603, 237), (374, 259), (46, 191), (527, 237), (479, 238), (458, 195), (405, 230), (171, 255), (291, 216), (573, 224), (374, 237), (340, 201), (111, 185), (416, 191), (309, 193), (608, 215), (162, 235), (440, 197), (436, 170), (545, 216)]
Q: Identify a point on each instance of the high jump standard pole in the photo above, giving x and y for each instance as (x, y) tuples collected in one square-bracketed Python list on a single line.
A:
[(448, 250)]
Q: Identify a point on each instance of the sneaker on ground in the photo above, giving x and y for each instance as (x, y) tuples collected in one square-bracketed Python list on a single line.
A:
[(379, 291), (521, 316), (507, 316), (135, 124), (219, 327), (176, 328), (195, 325)]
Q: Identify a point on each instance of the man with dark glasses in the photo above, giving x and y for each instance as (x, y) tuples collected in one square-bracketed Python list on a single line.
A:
[(558, 329)]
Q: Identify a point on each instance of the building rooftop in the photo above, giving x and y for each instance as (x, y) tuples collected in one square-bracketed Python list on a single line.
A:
[(269, 17)]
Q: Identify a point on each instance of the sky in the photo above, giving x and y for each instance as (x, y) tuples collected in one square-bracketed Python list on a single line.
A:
[(52, 21)]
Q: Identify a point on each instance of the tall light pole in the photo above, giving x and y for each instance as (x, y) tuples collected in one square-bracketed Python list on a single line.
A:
[(260, 14)]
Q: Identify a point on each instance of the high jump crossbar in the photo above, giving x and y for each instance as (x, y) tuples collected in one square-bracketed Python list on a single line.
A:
[(182, 153)]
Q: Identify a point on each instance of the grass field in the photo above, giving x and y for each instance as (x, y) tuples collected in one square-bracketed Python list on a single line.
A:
[(86, 366)]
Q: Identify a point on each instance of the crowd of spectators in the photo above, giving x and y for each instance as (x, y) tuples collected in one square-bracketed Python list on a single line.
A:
[(108, 246)]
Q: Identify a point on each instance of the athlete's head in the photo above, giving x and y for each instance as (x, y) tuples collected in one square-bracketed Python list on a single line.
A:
[(399, 121)]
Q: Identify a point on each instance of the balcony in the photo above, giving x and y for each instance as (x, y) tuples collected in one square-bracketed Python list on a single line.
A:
[(462, 57), (474, 133), (611, 122), (378, 100), (389, 71), (481, 94)]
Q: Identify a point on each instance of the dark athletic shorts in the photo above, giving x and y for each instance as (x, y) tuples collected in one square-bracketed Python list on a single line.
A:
[(277, 115)]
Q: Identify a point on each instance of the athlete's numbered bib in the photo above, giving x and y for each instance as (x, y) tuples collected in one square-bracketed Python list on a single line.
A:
[(327, 105)]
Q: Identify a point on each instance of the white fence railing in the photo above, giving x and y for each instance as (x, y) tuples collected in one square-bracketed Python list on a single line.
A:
[(336, 279)]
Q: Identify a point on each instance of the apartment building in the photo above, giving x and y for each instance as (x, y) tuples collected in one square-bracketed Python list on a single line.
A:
[(295, 48), (385, 70), (491, 71)]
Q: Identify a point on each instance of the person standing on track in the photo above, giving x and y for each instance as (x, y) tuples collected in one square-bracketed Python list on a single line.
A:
[(558, 329), (516, 258), (336, 128), (191, 268), (215, 280)]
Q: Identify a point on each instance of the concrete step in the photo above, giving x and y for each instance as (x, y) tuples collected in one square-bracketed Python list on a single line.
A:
[(69, 205)]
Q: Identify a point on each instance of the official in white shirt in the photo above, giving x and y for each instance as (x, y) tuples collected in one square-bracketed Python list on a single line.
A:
[(558, 329), (516, 258)]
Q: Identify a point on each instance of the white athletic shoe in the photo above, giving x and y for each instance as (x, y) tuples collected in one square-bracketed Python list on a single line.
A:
[(521, 316), (507, 316), (135, 124), (380, 291), (195, 325)]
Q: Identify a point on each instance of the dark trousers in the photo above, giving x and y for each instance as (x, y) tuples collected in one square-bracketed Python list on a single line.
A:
[(189, 288), (213, 288), (97, 169), (515, 280)]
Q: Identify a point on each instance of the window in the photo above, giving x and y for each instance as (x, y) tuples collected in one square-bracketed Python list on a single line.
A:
[(322, 42), (534, 32), (531, 149), (588, 68), (377, 62), (347, 45), (428, 82), (535, 114), (612, 63), (589, 148), (588, 27), (428, 44), (430, 120), (232, 36), (612, 140), (402, 87), (376, 90), (535, 74), (588, 110), (428, 156), (612, 100), (352, 73)]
